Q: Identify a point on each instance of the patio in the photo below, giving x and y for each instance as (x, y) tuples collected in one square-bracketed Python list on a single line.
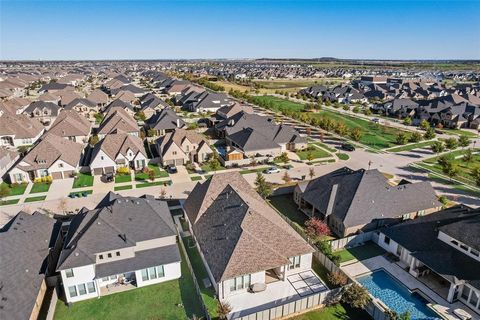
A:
[(296, 286)]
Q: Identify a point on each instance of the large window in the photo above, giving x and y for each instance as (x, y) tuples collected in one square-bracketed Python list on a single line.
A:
[(69, 273), (82, 289), (91, 287), (294, 263), (152, 273), (240, 282), (73, 291)]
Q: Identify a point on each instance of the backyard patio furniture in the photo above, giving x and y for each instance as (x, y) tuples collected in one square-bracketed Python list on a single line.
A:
[(462, 314), (258, 287)]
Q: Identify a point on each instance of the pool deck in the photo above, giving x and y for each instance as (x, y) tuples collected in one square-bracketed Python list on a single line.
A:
[(441, 305)]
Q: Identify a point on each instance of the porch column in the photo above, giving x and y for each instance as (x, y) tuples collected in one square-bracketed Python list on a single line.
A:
[(284, 273), (412, 266), (451, 292)]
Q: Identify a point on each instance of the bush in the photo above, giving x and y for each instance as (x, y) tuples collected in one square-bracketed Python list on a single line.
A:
[(337, 279), (123, 171), (356, 296)]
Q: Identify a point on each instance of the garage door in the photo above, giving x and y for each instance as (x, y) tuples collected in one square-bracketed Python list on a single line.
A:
[(68, 173), (56, 175), (97, 171), (179, 162), (169, 162), (110, 170)]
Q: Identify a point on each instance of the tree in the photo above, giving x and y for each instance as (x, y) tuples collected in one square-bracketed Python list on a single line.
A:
[(356, 296), (214, 164), (438, 146), (4, 191), (310, 156), (283, 157), (62, 205), (337, 279), (93, 140), (407, 121), (356, 134), (443, 200), (286, 177), (451, 143), (317, 229), (151, 175), (464, 141), (424, 124), (311, 173), (23, 150), (140, 115), (476, 175), (448, 166), (263, 188), (401, 138), (468, 156), (163, 193), (429, 134), (223, 309)]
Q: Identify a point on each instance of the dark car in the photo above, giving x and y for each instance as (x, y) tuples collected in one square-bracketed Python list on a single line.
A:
[(172, 169), (348, 147), (108, 177)]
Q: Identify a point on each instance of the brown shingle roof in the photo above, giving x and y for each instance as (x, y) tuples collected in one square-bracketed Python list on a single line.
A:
[(70, 123), (114, 144), (118, 120), (20, 125)]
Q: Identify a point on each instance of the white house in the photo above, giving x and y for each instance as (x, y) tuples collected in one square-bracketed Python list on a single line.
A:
[(118, 150), (125, 244)]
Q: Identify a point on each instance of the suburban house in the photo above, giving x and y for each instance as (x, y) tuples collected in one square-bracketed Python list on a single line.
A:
[(441, 250), (150, 104), (84, 107), (27, 257), (118, 120), (8, 158), (45, 112), (72, 126), (52, 156), (124, 243), (362, 200), (163, 121), (249, 251), (19, 130), (122, 104), (208, 102), (136, 91), (99, 97), (118, 150), (54, 87), (182, 146)]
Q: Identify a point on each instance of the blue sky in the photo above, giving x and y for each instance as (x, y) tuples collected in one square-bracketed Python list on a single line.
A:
[(239, 29)]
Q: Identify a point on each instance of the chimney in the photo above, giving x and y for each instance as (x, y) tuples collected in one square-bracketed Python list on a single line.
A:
[(178, 123)]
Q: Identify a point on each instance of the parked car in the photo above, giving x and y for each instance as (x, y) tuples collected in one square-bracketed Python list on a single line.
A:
[(271, 170), (376, 120), (108, 177), (348, 147), (172, 169)]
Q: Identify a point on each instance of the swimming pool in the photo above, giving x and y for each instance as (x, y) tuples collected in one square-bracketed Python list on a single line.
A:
[(396, 296)]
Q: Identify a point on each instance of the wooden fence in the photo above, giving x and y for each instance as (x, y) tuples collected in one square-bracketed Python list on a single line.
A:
[(352, 241)]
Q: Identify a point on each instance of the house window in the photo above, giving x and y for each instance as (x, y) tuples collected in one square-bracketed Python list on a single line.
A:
[(82, 289), (100, 257), (91, 287), (474, 252), (101, 158), (421, 213), (72, 291), (60, 165), (240, 282), (160, 272), (152, 273), (294, 263), (465, 292), (113, 277), (406, 216), (386, 240), (69, 273), (473, 299), (454, 242), (144, 275), (105, 279), (174, 153), (117, 253), (464, 247), (109, 255)]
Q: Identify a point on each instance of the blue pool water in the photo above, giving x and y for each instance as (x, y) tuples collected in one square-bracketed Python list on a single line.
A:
[(396, 296)]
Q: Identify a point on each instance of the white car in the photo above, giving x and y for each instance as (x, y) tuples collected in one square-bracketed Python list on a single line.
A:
[(271, 170)]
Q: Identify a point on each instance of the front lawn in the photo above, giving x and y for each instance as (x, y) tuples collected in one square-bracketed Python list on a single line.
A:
[(277, 104), (33, 199), (159, 173), (119, 188), (83, 180), (334, 312), (174, 299), (40, 187), (16, 189), (9, 202), (123, 178), (312, 151), (207, 168), (286, 206), (367, 251), (201, 273), (246, 171)]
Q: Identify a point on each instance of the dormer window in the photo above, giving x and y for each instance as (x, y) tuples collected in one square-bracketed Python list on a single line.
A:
[(117, 253), (100, 257)]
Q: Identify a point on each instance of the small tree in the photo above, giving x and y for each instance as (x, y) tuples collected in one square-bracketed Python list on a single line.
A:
[(23, 150), (4, 191), (464, 141), (356, 134), (317, 229), (163, 193), (337, 279), (283, 157), (262, 186), (424, 124), (429, 134), (468, 156), (151, 175), (93, 140), (62, 205), (356, 296), (286, 177), (476, 175), (223, 309), (310, 156), (311, 173), (140, 116), (416, 137), (443, 200), (407, 121), (401, 138), (214, 164), (448, 166), (451, 143), (438, 146)]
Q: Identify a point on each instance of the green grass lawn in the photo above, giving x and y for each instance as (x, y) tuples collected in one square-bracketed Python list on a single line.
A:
[(9, 202), (119, 188), (424, 144), (285, 205), (155, 183), (324, 146), (83, 180), (460, 132), (33, 199), (314, 151), (159, 173), (16, 189), (454, 185), (278, 104), (334, 312), (174, 299), (123, 178), (40, 187), (367, 251), (200, 274), (79, 193), (206, 168), (252, 170), (196, 178), (343, 156)]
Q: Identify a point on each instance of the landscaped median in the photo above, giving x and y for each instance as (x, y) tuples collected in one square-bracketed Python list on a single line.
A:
[(33, 199)]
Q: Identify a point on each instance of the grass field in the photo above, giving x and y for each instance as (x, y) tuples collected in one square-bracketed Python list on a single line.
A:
[(120, 188), (343, 156), (410, 147), (159, 173), (83, 180), (369, 250), (454, 185), (16, 189), (33, 199), (174, 299), (279, 104), (40, 187)]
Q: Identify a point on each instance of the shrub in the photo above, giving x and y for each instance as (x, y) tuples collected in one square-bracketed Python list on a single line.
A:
[(356, 296), (123, 170), (337, 279)]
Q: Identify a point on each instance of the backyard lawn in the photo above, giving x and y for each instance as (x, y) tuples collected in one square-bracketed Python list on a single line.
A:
[(174, 299), (79, 194), (334, 312), (285, 205), (16, 189), (83, 180), (367, 251), (200, 274), (40, 187)]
